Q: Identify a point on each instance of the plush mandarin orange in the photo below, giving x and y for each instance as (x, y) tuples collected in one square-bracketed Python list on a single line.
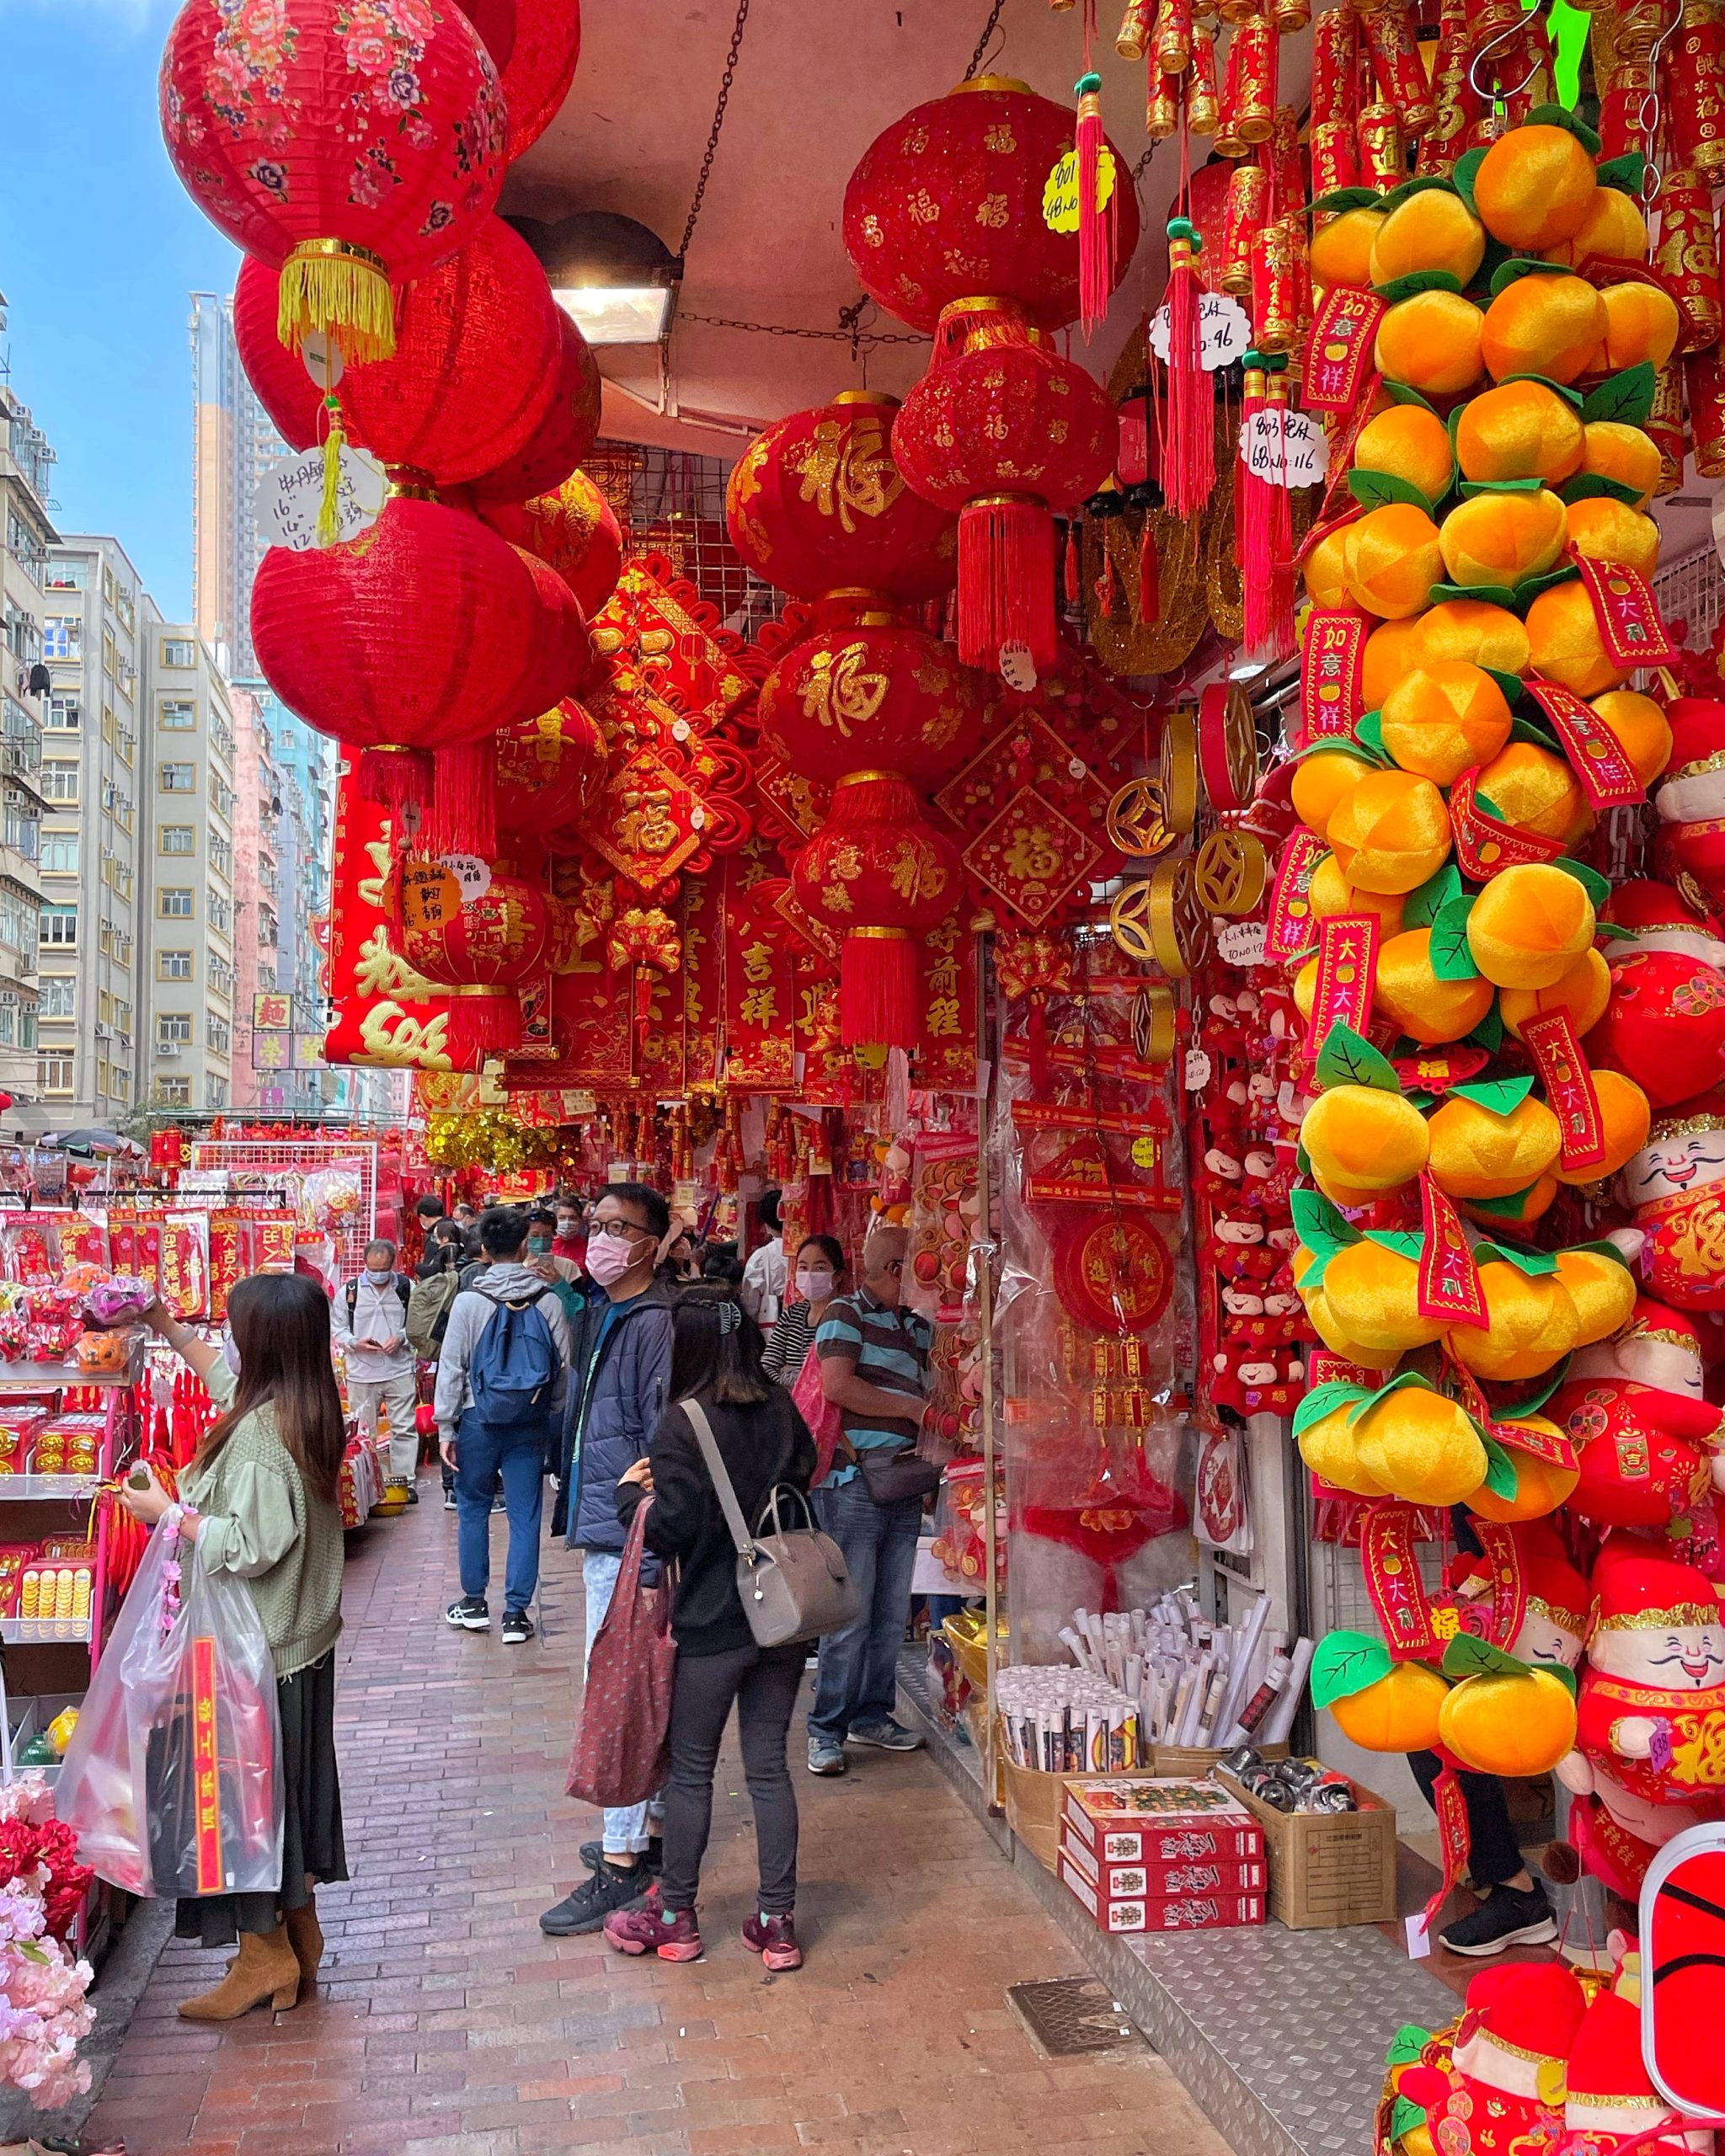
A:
[(1539, 1488), (1500, 539), (1321, 782), (1534, 188), (1392, 560), (1327, 1448), (1397, 1714), (1326, 570), (1435, 230), (1410, 443), (1528, 1207), (1331, 893), (1544, 325), (1431, 342), (1583, 992), (1564, 644), (1476, 1153), (1443, 718), (1602, 1290), (1473, 630), (1528, 926), (1341, 248), (1626, 1115), (1390, 650), (1642, 322), (1514, 1722), (1530, 1323), (1535, 791), (1519, 431), (1613, 227), (1616, 450), (1421, 1446), (1641, 729), (1339, 1341), (1373, 1296), (1364, 1137), (1612, 532), (1391, 832), (1427, 1010)]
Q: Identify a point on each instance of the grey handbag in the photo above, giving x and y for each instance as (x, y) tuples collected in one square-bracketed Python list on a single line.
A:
[(793, 1581)]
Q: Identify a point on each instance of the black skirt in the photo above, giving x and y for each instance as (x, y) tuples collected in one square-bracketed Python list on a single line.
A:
[(311, 1824)]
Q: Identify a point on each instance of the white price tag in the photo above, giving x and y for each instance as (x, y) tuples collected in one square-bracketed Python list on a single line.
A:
[(1242, 942), (1290, 449), (323, 360), (1197, 1070), (290, 494), (1420, 1939), (471, 872), (1017, 668), (1224, 331)]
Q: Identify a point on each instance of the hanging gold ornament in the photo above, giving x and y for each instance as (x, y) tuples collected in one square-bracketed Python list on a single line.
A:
[(1229, 873)]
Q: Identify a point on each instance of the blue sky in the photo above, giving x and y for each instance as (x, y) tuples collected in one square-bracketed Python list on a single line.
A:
[(99, 246)]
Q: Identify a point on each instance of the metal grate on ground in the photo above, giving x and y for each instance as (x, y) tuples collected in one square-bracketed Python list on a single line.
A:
[(1067, 2016)]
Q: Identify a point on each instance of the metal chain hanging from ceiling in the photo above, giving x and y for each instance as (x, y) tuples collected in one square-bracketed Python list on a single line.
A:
[(988, 31), (717, 126)]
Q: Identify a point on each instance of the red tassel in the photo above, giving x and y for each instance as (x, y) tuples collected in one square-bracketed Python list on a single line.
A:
[(1098, 226), (1267, 570), (1006, 579), (878, 1005), (1073, 566), (482, 1023), (1254, 515), (1150, 582), (463, 817), (395, 780), (1189, 454)]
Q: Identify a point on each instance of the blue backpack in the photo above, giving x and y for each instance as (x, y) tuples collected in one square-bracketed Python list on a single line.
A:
[(515, 1366)]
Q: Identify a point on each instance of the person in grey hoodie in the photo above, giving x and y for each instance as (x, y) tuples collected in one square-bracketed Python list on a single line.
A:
[(481, 1451)]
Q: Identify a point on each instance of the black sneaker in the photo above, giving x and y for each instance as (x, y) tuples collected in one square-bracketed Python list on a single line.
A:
[(517, 1628), (1509, 1916), (585, 1910), (472, 1612), (593, 1855), (413, 1499), (885, 1736)]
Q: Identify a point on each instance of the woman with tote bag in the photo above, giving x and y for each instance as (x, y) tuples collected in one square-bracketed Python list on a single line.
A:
[(764, 1445)]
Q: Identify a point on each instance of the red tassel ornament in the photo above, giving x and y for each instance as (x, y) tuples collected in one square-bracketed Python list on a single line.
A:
[(1073, 568), (463, 818), (1189, 458), (1150, 582), (1099, 219)]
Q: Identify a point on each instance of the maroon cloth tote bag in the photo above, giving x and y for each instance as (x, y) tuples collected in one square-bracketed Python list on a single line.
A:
[(622, 1752)]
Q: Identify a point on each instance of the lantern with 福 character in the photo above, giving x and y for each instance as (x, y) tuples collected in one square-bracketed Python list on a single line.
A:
[(548, 769), (350, 148), (478, 931)]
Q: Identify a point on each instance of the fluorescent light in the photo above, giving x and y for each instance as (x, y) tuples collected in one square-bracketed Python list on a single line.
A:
[(618, 314)]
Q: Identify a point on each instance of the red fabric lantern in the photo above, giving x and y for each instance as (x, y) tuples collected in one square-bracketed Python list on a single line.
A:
[(879, 873), (1001, 427), (548, 769), (478, 344), (946, 205), (417, 635), (547, 45), (817, 504), (278, 377), (478, 941), (564, 436), (574, 529), (871, 697), (348, 145), (495, 21)]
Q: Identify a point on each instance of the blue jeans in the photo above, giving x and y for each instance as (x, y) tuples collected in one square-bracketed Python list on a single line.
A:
[(625, 1824), (857, 1681), (481, 1455)]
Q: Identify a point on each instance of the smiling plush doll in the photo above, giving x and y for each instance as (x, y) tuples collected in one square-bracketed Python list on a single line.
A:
[(1634, 1406), (1664, 1022), (1672, 1186)]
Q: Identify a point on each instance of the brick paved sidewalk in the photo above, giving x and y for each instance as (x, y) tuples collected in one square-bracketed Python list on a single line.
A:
[(449, 2025)]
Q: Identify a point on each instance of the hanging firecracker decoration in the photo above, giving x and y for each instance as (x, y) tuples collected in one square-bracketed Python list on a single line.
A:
[(548, 769), (350, 154), (575, 528), (566, 431), (478, 932)]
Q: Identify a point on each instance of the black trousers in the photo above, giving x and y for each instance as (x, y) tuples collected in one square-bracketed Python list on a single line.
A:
[(763, 1682), (1494, 1855)]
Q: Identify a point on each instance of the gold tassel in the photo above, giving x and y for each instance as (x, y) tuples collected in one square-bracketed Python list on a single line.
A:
[(330, 508), (341, 291)]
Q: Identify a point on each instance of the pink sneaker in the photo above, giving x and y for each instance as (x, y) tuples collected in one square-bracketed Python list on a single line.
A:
[(774, 1938), (649, 1926)]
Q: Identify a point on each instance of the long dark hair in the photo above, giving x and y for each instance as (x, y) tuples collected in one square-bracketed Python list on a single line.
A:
[(281, 1327), (716, 1349)]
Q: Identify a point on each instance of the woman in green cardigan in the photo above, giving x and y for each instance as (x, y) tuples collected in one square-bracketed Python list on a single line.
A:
[(262, 1490)]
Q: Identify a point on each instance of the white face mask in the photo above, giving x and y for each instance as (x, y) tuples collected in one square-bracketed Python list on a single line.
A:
[(815, 1286)]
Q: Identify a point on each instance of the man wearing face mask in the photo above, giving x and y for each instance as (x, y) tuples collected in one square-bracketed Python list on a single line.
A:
[(370, 1316), (570, 1241), (619, 1374)]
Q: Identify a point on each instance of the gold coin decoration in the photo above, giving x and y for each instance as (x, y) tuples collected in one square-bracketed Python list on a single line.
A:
[(1229, 872), (1153, 1023), (1179, 772), (1128, 923), (1179, 925), (1136, 823), (1227, 746)]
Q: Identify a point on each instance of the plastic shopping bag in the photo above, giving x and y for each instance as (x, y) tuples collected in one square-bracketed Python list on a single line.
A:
[(819, 1412), (172, 1777)]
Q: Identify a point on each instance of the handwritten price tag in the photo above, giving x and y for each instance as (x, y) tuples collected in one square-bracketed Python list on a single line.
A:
[(1060, 192), (1659, 1747), (1224, 331), (472, 874), (290, 494), (1289, 449), (1241, 943)]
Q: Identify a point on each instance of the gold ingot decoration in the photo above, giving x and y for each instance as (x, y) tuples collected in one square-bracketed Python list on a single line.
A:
[(1179, 772), (1230, 872), (1136, 825)]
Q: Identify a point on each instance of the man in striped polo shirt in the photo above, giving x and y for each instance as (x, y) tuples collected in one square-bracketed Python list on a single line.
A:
[(874, 1369)]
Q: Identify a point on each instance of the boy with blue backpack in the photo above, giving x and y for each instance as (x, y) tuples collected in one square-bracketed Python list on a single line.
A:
[(501, 1379)]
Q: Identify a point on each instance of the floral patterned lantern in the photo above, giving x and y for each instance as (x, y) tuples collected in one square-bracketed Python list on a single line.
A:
[(351, 144), (548, 769), (817, 505), (564, 436), (479, 932), (278, 377), (541, 65), (575, 528)]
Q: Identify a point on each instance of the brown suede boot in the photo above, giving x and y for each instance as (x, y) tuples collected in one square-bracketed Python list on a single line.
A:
[(306, 1936), (264, 1968)]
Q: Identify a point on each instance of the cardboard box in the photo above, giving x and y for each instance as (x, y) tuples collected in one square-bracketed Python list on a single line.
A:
[(1139, 1819), (1154, 1914), (1328, 1868), (1034, 1803), (1119, 1883)]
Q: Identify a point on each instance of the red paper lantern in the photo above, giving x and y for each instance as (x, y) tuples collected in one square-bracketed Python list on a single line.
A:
[(478, 941), (947, 204), (548, 769), (568, 430), (817, 505), (347, 146), (495, 21), (547, 45), (1001, 427), (278, 377), (574, 529), (417, 635), (478, 344), (871, 698)]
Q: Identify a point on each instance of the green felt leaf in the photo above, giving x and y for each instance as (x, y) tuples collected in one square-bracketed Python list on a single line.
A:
[(1452, 423), (1501, 1208), (1494, 594), (1407, 2045), (1468, 1655), (1530, 731), (1470, 487), (1405, 2114), (1448, 954), (1614, 930), (1594, 486), (1625, 173), (1597, 887), (1318, 1221), (1522, 265), (1536, 1264), (1530, 587), (1604, 1247), (1423, 183), (1423, 1101), (1376, 489), (1557, 115), (1488, 1034), (1466, 167), (1404, 1381), (1419, 281), (1501, 1477), (1404, 1242), (1561, 1671), (1345, 198), (1324, 1400), (1327, 744), (1501, 1096), (1628, 395), (1511, 684), (1348, 1059), (1533, 1402), (1347, 1662), (1399, 392), (1486, 806), (1562, 389), (1369, 733), (1423, 905)]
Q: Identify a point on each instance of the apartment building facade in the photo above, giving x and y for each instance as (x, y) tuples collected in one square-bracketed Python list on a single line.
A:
[(233, 444)]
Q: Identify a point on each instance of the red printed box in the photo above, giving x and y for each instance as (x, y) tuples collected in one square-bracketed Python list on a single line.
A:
[(1160, 1823), (1123, 1882), (1156, 1913)]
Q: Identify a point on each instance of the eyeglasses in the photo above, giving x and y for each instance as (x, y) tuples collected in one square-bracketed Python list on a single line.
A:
[(619, 1230)]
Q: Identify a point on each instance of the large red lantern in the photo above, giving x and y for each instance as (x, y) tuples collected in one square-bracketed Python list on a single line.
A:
[(478, 344), (568, 430), (479, 932), (278, 377), (946, 205), (348, 145), (574, 529), (417, 635), (495, 21), (1000, 427), (548, 769), (871, 697), (541, 66), (817, 505)]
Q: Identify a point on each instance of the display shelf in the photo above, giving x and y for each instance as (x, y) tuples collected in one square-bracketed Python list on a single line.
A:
[(49, 1377), (46, 1632), (23, 1489)]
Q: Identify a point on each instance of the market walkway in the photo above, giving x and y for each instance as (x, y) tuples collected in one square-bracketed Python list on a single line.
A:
[(449, 2026)]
